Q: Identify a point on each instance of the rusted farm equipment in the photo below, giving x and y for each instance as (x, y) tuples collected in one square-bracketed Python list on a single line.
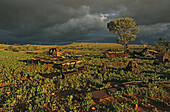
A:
[(54, 52), (63, 64)]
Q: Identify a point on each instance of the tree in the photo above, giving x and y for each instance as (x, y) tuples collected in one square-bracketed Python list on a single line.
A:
[(163, 41), (126, 29), (163, 44)]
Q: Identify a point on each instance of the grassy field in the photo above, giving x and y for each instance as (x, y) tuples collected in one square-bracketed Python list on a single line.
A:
[(82, 79)]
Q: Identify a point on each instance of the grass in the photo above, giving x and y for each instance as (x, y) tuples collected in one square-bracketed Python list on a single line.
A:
[(29, 86)]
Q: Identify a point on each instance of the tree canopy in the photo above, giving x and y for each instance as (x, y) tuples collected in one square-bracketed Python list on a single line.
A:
[(163, 41), (163, 44), (126, 29)]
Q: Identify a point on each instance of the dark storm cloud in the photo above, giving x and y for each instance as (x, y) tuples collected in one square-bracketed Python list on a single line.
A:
[(63, 20), (147, 11), (144, 11)]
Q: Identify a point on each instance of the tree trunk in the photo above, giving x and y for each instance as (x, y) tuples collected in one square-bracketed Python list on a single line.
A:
[(125, 48)]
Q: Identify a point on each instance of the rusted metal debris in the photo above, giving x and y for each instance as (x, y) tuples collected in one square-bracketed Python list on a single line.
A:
[(80, 69), (109, 54), (66, 65), (63, 76), (60, 66), (162, 58), (103, 69), (33, 61), (132, 66), (54, 52), (146, 52), (33, 52), (59, 61), (84, 68)]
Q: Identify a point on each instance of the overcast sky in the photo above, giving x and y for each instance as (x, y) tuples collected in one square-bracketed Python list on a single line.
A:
[(54, 21)]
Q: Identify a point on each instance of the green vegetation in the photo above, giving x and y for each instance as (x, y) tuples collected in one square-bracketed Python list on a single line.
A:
[(38, 87)]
